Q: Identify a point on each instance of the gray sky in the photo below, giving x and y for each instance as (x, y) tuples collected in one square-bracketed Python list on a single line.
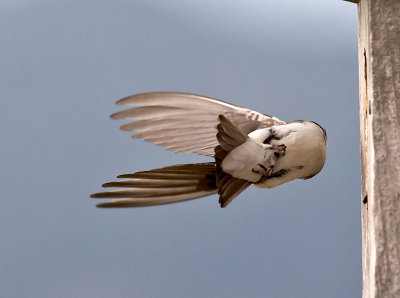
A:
[(63, 64)]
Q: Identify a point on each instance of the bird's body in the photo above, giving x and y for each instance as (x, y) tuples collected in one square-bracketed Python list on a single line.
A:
[(248, 147), (304, 154)]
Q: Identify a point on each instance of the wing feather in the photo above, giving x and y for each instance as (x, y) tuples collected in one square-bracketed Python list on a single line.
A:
[(161, 186), (183, 122), (154, 201)]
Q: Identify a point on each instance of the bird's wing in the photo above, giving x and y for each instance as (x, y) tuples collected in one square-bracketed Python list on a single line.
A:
[(229, 137), (184, 122), (161, 186)]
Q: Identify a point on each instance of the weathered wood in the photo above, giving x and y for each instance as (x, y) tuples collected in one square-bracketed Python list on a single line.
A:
[(365, 140), (379, 85)]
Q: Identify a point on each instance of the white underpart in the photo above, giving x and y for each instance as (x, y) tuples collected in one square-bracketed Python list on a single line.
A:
[(241, 161), (304, 155), (305, 152)]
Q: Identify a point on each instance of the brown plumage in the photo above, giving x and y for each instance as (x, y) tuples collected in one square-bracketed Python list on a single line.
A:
[(183, 122), (181, 182), (161, 186), (229, 137)]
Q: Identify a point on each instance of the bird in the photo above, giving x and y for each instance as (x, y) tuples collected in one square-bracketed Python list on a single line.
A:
[(248, 148)]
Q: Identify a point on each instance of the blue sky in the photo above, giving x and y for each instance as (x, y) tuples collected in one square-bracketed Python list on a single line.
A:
[(63, 64)]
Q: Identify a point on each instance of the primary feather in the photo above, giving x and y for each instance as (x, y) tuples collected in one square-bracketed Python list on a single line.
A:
[(161, 186), (177, 114)]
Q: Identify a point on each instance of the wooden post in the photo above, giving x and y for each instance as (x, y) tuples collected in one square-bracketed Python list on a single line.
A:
[(379, 85)]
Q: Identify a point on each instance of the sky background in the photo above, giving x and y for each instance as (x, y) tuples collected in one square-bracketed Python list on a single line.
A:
[(63, 64)]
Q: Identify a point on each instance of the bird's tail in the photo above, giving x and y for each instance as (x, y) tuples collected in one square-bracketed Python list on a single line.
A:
[(161, 186)]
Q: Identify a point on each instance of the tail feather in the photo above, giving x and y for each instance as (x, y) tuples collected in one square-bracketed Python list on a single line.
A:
[(161, 186), (232, 190)]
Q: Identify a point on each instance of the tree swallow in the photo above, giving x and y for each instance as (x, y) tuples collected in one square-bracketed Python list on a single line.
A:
[(248, 148)]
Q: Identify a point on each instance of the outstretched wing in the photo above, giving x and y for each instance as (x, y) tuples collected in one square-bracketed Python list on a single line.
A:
[(161, 186), (183, 122)]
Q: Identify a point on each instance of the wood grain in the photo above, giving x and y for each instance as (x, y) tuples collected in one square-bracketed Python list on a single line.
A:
[(379, 85)]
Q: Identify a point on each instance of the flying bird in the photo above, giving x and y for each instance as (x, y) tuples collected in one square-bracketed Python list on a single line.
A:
[(248, 148)]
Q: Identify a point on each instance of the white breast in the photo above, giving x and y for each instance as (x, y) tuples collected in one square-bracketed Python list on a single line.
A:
[(304, 156), (241, 160), (305, 153)]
